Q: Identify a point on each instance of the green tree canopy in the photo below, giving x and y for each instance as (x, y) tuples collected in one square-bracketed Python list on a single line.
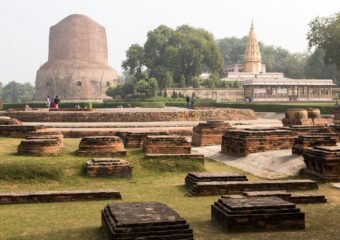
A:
[(15, 92), (168, 54), (324, 33)]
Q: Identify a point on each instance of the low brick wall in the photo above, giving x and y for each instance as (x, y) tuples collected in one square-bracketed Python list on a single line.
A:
[(58, 196), (135, 115)]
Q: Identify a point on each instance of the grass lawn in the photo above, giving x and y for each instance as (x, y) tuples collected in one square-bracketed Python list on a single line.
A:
[(81, 220)]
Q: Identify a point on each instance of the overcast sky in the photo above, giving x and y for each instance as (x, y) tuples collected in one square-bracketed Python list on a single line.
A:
[(24, 24)]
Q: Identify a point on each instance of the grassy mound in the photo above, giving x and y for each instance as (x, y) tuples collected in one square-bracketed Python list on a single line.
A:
[(37, 171), (172, 165)]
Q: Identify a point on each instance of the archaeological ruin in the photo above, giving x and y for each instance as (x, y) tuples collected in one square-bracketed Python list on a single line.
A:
[(77, 68), (253, 214), (301, 143), (103, 146), (309, 117), (241, 142), (323, 163), (136, 139), (108, 167), (144, 220), (209, 133)]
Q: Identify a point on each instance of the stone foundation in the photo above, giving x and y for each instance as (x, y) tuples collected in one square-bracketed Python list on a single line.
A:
[(194, 177), (39, 147), (58, 196), (238, 187), (305, 117), (135, 115), (4, 120), (297, 198), (136, 139), (104, 146), (323, 163), (209, 133), (144, 220), (166, 145), (243, 142), (301, 143), (106, 167), (252, 214), (17, 131), (46, 134)]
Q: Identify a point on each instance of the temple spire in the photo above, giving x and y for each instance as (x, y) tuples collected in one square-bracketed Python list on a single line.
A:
[(252, 56)]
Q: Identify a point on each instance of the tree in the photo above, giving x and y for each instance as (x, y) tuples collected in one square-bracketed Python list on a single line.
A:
[(324, 32), (182, 82), (121, 90), (148, 87), (169, 54), (15, 92), (135, 61)]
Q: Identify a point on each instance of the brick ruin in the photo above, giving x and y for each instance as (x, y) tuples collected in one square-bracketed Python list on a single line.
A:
[(104, 146), (250, 214), (309, 116), (301, 143), (209, 133), (241, 142), (4, 120), (108, 167), (136, 139), (58, 196), (169, 146), (41, 143), (18, 131), (144, 220), (323, 163), (207, 184)]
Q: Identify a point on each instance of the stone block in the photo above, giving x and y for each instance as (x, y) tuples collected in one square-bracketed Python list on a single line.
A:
[(323, 163), (58, 196), (108, 167), (241, 142), (209, 133), (144, 220), (104, 146), (252, 214)]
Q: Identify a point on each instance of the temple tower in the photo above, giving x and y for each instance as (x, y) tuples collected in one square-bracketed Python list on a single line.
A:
[(252, 56), (77, 68)]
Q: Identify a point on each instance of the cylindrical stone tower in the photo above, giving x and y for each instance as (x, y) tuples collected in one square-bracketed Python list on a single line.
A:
[(77, 68)]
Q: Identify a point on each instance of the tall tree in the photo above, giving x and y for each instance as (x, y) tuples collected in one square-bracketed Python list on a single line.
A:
[(324, 32), (135, 61), (15, 92)]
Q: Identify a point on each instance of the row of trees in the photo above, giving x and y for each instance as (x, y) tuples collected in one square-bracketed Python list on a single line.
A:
[(176, 57), (15, 92)]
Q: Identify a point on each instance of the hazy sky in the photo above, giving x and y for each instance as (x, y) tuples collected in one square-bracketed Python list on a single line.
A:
[(24, 24)]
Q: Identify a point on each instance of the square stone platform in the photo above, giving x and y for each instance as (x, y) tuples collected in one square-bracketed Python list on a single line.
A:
[(144, 220), (108, 167)]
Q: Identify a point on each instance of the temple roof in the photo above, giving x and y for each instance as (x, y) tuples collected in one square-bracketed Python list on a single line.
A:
[(252, 53)]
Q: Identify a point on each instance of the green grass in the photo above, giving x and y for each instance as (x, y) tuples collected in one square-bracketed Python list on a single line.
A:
[(81, 220)]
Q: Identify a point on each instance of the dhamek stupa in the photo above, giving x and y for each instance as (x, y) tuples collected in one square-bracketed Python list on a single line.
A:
[(77, 68)]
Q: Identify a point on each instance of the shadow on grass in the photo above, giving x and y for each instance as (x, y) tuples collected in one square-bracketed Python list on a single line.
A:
[(87, 233)]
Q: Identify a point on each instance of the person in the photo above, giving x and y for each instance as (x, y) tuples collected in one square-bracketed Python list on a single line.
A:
[(56, 101), (187, 99), (48, 101), (27, 108), (77, 106), (192, 101)]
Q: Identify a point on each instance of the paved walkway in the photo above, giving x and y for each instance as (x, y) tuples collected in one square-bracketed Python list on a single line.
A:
[(269, 165)]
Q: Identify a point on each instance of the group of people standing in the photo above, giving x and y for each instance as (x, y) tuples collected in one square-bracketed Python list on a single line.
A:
[(190, 102), (53, 102)]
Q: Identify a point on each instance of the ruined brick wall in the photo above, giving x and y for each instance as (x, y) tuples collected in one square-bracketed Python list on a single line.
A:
[(131, 116)]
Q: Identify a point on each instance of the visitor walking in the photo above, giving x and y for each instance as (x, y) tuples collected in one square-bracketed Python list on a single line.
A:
[(56, 102), (187, 99)]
